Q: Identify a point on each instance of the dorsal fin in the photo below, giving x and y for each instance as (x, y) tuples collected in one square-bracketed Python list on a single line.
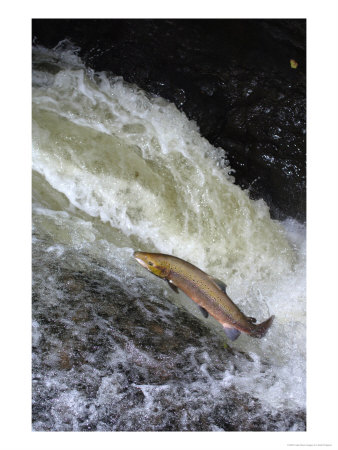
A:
[(222, 286)]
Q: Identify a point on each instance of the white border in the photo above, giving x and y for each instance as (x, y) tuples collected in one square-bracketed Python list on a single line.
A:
[(322, 223)]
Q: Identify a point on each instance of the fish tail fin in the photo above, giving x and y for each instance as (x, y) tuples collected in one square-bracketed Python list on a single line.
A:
[(260, 330)]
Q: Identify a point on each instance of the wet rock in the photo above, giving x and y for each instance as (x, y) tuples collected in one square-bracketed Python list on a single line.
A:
[(65, 362), (81, 316), (156, 328), (72, 284), (233, 77)]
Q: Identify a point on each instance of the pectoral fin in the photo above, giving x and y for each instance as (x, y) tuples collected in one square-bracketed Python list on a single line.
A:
[(232, 333), (204, 312), (173, 287), (222, 286)]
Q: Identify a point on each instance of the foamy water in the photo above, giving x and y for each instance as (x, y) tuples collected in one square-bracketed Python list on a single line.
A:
[(116, 170)]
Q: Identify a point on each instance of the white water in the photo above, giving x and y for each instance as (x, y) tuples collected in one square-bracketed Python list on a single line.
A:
[(116, 170)]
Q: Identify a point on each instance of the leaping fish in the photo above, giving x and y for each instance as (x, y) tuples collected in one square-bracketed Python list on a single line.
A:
[(208, 292)]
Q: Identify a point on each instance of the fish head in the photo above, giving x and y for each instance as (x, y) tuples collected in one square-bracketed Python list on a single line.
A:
[(154, 262)]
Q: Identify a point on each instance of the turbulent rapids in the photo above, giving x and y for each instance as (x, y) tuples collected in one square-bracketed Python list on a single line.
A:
[(116, 170)]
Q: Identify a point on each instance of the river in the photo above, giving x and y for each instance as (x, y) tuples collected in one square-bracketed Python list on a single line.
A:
[(116, 170)]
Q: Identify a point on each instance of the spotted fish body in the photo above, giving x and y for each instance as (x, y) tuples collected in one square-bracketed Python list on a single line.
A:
[(208, 292)]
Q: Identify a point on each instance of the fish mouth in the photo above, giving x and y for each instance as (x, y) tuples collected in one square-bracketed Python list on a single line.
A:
[(140, 260)]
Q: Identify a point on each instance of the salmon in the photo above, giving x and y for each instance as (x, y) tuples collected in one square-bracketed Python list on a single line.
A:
[(208, 292)]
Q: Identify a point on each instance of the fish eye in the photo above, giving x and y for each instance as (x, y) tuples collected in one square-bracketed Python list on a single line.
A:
[(150, 263)]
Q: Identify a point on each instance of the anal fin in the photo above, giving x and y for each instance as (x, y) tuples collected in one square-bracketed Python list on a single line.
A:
[(232, 333)]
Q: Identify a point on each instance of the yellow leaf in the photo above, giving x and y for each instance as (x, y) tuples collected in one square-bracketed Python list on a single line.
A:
[(293, 64)]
